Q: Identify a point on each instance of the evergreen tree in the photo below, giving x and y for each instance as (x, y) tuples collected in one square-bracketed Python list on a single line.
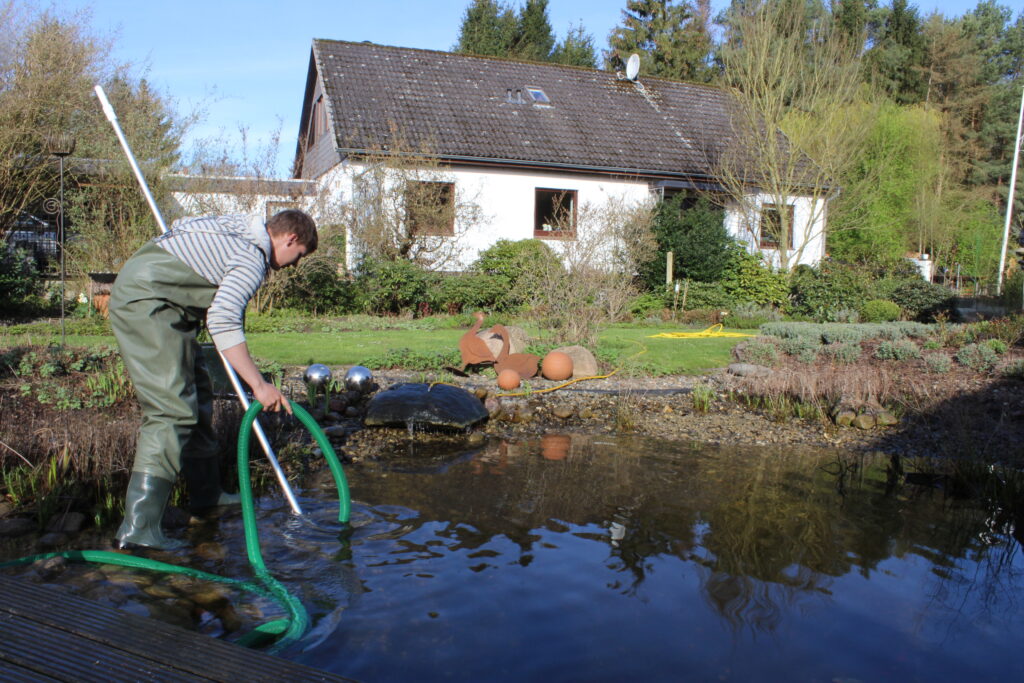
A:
[(694, 231), (895, 62), (851, 18), (534, 37), (577, 49), (672, 39), (488, 28)]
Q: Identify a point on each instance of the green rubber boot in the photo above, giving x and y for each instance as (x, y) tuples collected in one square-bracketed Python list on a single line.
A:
[(143, 511), (202, 481)]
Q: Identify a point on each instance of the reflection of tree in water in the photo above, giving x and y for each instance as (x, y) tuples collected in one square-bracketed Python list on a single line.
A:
[(765, 530)]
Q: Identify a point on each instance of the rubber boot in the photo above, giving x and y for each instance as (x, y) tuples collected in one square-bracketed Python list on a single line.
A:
[(143, 511), (202, 481)]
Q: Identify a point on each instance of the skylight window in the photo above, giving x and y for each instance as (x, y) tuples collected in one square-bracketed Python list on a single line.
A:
[(537, 95)]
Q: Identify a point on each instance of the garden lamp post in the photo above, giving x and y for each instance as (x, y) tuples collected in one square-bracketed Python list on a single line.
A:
[(61, 145)]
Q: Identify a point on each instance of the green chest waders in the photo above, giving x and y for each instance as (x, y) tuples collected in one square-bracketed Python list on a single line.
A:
[(156, 308)]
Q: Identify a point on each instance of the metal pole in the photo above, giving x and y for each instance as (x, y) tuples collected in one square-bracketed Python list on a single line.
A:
[(235, 382), (60, 244), (1009, 199)]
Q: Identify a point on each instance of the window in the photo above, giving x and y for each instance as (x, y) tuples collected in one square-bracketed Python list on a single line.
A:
[(430, 208), (317, 122), (537, 95), (554, 213), (771, 225)]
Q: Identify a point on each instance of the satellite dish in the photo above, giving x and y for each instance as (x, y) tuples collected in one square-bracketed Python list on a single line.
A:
[(633, 66)]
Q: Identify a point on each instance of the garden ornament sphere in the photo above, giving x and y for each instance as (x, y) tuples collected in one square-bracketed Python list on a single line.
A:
[(358, 379), (556, 366), (317, 375), (508, 379)]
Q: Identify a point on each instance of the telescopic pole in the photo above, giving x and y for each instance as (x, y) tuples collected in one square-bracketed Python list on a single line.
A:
[(108, 111)]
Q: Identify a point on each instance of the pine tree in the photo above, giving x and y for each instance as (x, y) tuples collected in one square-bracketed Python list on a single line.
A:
[(534, 39), (577, 49), (895, 63), (488, 28), (672, 38)]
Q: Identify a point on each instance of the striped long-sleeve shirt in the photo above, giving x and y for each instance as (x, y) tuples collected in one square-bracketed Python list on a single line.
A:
[(232, 252)]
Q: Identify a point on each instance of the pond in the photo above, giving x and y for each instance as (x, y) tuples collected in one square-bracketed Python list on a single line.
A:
[(576, 558)]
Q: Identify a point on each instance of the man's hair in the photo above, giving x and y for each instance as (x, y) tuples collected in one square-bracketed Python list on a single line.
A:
[(294, 222)]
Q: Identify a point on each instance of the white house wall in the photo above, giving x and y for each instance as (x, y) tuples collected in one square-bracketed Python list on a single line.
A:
[(507, 200), (210, 203), (809, 219)]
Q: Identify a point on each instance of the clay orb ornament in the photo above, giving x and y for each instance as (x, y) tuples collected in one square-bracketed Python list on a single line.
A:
[(508, 379), (556, 366)]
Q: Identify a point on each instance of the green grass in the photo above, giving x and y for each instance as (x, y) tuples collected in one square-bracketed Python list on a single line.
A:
[(626, 347)]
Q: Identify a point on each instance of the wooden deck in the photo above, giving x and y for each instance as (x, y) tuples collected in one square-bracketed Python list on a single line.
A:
[(47, 635)]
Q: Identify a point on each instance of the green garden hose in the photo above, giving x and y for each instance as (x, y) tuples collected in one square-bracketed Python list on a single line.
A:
[(279, 633)]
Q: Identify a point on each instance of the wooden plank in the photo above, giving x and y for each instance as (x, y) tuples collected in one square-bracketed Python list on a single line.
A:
[(47, 633)]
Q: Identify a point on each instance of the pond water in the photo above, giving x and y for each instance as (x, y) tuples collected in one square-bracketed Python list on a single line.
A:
[(611, 559), (577, 558)]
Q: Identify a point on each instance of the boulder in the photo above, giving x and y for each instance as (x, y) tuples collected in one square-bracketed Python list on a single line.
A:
[(749, 370), (424, 405), (516, 340), (583, 362)]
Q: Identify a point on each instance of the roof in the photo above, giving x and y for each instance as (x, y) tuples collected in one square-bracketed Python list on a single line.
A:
[(457, 108)]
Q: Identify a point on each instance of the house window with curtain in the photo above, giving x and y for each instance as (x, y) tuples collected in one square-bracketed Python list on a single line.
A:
[(430, 208), (554, 215), (771, 225)]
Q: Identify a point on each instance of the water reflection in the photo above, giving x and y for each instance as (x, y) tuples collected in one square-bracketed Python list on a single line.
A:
[(553, 534)]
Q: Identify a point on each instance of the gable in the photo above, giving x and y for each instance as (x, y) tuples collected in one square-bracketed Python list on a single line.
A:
[(466, 108)]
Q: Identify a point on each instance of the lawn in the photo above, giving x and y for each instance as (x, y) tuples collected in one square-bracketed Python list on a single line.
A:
[(626, 346)]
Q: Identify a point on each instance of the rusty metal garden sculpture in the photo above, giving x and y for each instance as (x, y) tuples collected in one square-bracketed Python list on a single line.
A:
[(523, 363), (473, 349)]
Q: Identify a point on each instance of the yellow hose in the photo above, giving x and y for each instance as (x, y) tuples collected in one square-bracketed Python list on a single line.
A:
[(713, 331)]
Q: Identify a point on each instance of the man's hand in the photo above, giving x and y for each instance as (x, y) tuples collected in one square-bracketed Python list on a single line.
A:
[(265, 392), (271, 398)]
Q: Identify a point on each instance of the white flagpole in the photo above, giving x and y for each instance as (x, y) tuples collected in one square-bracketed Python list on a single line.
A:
[(1009, 199)]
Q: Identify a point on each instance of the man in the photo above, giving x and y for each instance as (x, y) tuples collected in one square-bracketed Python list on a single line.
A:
[(210, 268)]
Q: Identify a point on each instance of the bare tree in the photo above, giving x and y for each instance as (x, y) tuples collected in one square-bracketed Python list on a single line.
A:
[(406, 205), (795, 77), (595, 278)]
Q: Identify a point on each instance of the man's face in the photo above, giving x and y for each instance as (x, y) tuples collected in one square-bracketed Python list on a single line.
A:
[(285, 251)]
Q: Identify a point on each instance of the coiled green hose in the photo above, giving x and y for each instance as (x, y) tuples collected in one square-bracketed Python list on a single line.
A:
[(279, 633)]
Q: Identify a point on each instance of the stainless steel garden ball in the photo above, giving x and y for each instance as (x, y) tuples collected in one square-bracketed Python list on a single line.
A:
[(358, 379), (317, 375)]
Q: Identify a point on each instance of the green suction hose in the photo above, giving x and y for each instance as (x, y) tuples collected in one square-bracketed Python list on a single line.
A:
[(280, 632)]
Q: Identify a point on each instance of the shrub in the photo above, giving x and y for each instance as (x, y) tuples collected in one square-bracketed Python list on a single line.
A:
[(902, 349), (835, 333), (391, 286), (1014, 370), (20, 284), (823, 293), (760, 352), (922, 300), (977, 357), (878, 310), (784, 330), (460, 292), (1009, 330), (747, 279), (845, 353), (709, 295), (694, 231), (932, 345), (997, 345), (938, 363), (647, 303), (521, 265), (809, 355), (794, 346)]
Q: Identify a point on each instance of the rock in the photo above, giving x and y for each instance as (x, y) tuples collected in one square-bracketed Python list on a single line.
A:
[(351, 411), (563, 411), (844, 417), (52, 539), (493, 406), (69, 523), (335, 431), (476, 438), (586, 414), (440, 405), (12, 527), (864, 421), (160, 591), (5, 508), (517, 340), (748, 370), (337, 404), (50, 568), (886, 419), (481, 393), (211, 551), (334, 417), (583, 362)]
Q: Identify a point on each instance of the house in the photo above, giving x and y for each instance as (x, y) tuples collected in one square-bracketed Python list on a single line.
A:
[(531, 144)]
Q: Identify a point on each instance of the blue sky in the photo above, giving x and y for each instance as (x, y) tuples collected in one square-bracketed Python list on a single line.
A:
[(244, 62)]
